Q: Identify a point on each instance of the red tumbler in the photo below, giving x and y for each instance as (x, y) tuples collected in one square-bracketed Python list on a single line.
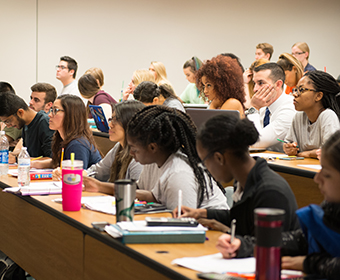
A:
[(268, 229)]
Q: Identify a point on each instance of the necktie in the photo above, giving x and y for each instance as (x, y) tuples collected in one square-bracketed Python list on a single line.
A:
[(266, 118)]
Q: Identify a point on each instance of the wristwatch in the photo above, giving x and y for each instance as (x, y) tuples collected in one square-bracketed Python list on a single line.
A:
[(251, 110)]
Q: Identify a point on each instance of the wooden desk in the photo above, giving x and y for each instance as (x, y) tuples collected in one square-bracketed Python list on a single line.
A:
[(299, 178), (53, 244)]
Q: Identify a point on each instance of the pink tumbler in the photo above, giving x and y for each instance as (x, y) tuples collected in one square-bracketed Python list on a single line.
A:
[(268, 229), (72, 184)]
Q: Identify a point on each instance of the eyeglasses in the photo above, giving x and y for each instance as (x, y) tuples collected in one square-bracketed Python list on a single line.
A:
[(54, 111), (297, 53), (8, 121), (62, 67), (112, 120), (301, 90)]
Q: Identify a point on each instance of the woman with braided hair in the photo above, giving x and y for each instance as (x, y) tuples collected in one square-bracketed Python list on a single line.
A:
[(318, 116), (163, 140)]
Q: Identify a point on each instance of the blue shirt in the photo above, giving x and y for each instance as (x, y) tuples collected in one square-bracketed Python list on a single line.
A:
[(84, 151), (309, 68)]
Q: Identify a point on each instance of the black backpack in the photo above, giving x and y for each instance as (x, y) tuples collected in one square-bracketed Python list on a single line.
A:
[(9, 270)]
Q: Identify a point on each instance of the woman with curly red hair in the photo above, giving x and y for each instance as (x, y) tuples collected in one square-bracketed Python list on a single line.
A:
[(221, 81)]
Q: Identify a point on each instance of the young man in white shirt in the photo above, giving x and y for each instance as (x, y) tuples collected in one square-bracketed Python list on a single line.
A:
[(272, 111)]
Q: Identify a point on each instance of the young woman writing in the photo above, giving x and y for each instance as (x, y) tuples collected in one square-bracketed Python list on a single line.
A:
[(222, 144)]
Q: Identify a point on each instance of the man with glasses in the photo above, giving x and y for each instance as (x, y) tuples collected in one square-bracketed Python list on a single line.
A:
[(271, 111), (36, 133), (42, 97), (66, 73)]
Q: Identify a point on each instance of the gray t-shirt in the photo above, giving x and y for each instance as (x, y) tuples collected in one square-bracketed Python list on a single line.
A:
[(312, 136), (174, 175), (103, 167), (174, 103)]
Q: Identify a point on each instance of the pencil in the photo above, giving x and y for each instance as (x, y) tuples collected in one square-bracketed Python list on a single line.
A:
[(36, 158), (62, 158), (232, 230)]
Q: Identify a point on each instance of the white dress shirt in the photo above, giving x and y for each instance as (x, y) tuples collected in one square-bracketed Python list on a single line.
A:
[(282, 112)]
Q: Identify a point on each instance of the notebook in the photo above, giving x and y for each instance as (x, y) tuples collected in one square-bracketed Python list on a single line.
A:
[(200, 116), (99, 118)]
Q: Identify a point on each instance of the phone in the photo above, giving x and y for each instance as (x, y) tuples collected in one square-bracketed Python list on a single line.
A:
[(173, 222), (100, 225), (217, 276), (150, 207)]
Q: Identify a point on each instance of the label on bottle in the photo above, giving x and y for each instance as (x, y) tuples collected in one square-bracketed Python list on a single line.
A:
[(4, 156)]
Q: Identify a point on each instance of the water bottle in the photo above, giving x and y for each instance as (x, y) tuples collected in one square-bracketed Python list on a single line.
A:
[(268, 229), (24, 164), (4, 146)]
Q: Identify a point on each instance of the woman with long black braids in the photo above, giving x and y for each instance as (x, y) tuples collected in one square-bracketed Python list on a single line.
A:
[(163, 140)]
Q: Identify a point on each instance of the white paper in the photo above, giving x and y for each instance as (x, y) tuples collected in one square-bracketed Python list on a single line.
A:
[(141, 226), (216, 263), (103, 203), (267, 155), (37, 188), (312, 166)]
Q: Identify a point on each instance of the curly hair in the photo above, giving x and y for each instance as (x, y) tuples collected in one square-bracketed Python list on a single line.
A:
[(226, 76), (172, 130)]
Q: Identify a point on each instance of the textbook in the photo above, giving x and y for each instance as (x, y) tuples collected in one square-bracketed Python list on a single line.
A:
[(37, 189), (138, 232)]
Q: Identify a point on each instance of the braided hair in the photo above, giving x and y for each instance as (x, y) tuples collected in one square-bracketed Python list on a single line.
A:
[(171, 130), (326, 83)]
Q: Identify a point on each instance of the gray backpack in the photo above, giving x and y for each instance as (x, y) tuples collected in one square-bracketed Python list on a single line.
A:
[(9, 270)]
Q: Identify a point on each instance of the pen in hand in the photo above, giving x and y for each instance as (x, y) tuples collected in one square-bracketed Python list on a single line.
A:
[(179, 203), (232, 230), (286, 142)]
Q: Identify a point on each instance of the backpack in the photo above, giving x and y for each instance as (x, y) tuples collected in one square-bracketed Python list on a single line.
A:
[(9, 270)]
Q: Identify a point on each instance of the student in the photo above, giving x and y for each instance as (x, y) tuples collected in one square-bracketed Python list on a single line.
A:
[(42, 97), (271, 111), (222, 144), (66, 73), (69, 120), (318, 116), (315, 247), (151, 94), (191, 94), (36, 133), (293, 70), (90, 89), (13, 134), (117, 163), (137, 77), (248, 80), (221, 81), (157, 68), (264, 50), (300, 50), (163, 140)]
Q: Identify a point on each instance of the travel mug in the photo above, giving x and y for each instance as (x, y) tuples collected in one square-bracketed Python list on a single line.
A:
[(72, 184), (125, 194), (268, 229)]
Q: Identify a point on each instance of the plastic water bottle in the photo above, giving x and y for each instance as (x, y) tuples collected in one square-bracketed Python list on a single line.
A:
[(24, 164), (4, 146)]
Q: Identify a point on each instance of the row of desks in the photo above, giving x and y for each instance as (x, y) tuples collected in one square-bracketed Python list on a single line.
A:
[(53, 244)]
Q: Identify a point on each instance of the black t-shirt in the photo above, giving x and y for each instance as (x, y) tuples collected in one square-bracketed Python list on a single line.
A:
[(37, 136)]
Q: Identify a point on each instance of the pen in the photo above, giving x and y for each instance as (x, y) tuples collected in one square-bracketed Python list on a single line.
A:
[(285, 141), (62, 158), (232, 230), (36, 158), (179, 203)]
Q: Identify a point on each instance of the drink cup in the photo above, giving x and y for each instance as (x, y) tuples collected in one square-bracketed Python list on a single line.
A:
[(72, 184), (125, 194), (268, 229)]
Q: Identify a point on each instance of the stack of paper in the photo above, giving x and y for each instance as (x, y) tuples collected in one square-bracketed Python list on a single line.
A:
[(37, 189), (139, 232)]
